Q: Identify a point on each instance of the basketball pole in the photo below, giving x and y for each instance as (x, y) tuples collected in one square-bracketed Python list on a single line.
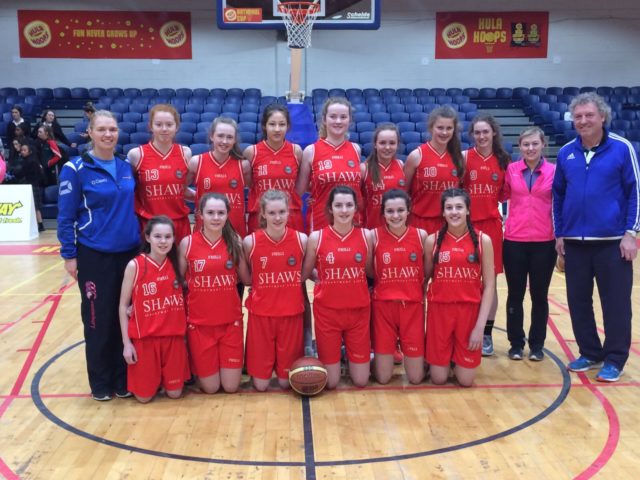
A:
[(295, 94)]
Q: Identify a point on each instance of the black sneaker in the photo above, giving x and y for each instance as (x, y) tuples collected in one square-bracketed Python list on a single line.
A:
[(515, 353), (104, 397), (536, 355), (124, 394)]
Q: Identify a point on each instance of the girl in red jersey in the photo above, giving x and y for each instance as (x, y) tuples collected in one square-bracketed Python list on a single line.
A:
[(214, 263), (153, 333), (275, 164), (398, 292), (222, 170), (341, 305), (381, 172), (332, 160), (433, 168), (485, 166), (459, 262), (161, 172), (275, 303)]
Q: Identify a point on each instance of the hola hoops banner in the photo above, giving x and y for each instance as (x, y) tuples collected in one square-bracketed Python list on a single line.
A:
[(491, 35), (104, 34)]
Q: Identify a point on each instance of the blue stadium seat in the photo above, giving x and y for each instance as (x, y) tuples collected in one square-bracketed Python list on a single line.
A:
[(604, 91), (628, 115), (400, 117), (406, 126), (133, 117), (362, 117), (588, 89), (167, 92), (138, 108), (410, 137), (140, 101), (218, 92), (452, 92), (24, 91), (140, 138), (421, 127), (235, 92), (127, 126), (357, 108), (252, 92), (247, 137), (444, 100), (519, 92), (248, 127), (199, 148), (365, 137), (460, 99), (426, 100), (468, 107), (413, 107), (559, 107), (123, 138), (131, 92), (504, 93), (61, 93), (114, 92), (573, 91), (393, 107), (471, 92), (368, 92), (119, 107), (248, 117), (391, 99), (367, 148), (149, 92), (353, 92), (421, 92), (250, 108), (122, 100), (128, 147), (184, 92), (621, 124), (409, 100), (634, 90), (436, 92), (191, 117), (564, 98), (201, 137), (379, 107), (44, 92), (97, 92), (231, 115), (188, 126), (184, 138), (199, 101), (79, 93), (212, 107), (537, 91), (387, 92), (488, 93), (365, 126), (410, 147), (194, 108), (231, 107), (554, 91), (547, 98), (418, 117)]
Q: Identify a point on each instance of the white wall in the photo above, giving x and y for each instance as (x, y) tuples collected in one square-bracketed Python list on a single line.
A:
[(590, 43)]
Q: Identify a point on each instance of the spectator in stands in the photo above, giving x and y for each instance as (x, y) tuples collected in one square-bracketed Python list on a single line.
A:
[(32, 173), (49, 119), (596, 223), (529, 245), (17, 122), (89, 110), (50, 155), (97, 191), (3, 163)]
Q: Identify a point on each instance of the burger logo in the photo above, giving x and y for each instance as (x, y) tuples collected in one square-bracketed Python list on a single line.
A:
[(173, 34), (230, 14), (455, 35), (37, 34)]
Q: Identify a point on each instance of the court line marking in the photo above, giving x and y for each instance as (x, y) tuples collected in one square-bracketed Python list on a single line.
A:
[(613, 437), (24, 282), (38, 402), (309, 454)]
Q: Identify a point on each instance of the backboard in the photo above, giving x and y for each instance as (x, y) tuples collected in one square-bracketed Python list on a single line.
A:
[(263, 14)]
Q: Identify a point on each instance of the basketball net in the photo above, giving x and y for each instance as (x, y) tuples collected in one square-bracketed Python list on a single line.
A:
[(298, 18)]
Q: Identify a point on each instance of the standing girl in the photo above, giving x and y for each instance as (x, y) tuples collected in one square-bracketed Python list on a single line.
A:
[(484, 169), (222, 170), (459, 262), (275, 164), (398, 292), (332, 160), (153, 335), (275, 303), (161, 169), (381, 172), (529, 244), (214, 264), (433, 168), (341, 305), (50, 155), (99, 234)]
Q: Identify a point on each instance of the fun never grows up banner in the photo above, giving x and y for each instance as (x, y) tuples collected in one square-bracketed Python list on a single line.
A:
[(491, 35), (104, 34)]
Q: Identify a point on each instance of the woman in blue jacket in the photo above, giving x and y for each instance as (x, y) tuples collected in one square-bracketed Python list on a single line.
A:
[(99, 234)]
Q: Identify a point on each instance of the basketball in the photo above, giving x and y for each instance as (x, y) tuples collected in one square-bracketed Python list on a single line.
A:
[(307, 376)]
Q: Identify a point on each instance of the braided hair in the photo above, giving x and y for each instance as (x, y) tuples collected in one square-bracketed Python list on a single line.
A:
[(451, 193)]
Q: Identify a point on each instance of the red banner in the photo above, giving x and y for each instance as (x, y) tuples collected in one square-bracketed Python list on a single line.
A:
[(491, 34), (104, 34)]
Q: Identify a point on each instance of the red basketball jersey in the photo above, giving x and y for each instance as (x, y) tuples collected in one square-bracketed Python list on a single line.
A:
[(435, 174), (456, 278), (274, 169), (160, 183), (341, 269), (227, 179), (398, 265), (211, 278), (391, 176), (276, 272), (157, 302), (483, 179), (331, 166)]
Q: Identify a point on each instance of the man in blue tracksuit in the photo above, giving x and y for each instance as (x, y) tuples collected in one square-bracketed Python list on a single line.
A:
[(99, 234), (596, 219)]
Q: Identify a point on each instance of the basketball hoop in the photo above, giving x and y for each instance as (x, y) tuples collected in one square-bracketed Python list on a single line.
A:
[(299, 18)]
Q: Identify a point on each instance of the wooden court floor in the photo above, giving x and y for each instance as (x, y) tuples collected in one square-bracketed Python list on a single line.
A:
[(521, 419)]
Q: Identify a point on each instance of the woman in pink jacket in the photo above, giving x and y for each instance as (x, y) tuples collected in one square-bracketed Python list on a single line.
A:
[(529, 244)]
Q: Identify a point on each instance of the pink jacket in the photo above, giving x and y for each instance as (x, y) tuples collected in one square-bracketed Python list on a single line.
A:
[(529, 216)]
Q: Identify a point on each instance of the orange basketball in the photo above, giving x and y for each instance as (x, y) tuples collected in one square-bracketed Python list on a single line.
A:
[(307, 376)]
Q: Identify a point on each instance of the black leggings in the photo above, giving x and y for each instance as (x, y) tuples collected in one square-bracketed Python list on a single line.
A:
[(535, 261)]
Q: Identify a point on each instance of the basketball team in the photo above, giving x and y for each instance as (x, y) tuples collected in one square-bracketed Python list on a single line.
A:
[(388, 243)]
